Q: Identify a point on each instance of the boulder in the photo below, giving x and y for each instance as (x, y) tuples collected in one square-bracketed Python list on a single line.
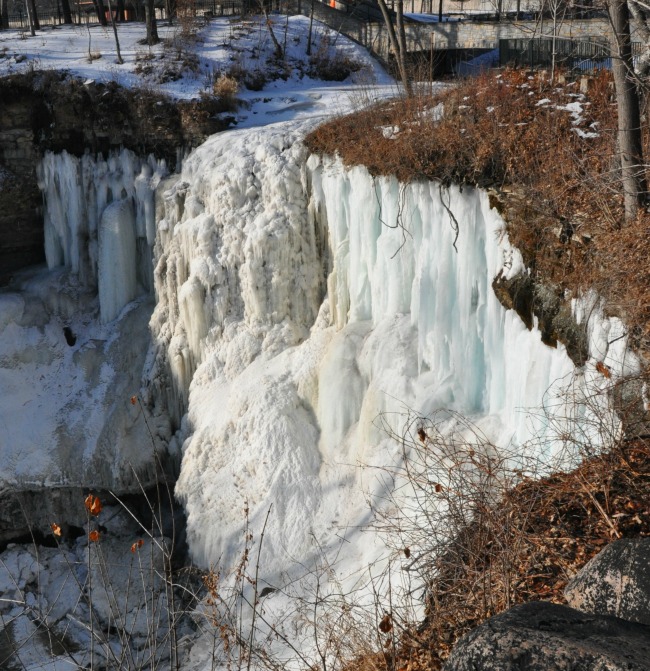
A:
[(615, 582), (543, 636)]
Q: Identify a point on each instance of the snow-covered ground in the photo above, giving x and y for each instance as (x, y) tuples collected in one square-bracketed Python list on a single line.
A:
[(220, 46)]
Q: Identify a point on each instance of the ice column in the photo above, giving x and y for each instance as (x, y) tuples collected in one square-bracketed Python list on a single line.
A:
[(117, 259), (77, 193)]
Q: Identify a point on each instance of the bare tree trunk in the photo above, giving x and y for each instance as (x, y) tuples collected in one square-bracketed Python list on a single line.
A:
[(641, 14), (397, 45), (311, 24), (276, 45), (30, 18), (4, 14), (101, 12), (150, 18), (35, 22), (630, 146), (170, 7), (117, 41), (67, 14)]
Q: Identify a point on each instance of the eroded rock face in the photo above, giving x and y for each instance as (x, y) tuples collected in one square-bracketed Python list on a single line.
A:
[(555, 320), (548, 637), (615, 582), (50, 111)]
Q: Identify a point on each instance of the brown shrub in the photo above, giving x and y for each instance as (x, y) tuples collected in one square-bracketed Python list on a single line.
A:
[(225, 89), (489, 527)]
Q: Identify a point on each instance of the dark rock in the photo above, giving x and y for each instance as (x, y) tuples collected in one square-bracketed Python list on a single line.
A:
[(554, 317), (516, 294), (547, 637), (51, 111), (557, 323), (615, 582)]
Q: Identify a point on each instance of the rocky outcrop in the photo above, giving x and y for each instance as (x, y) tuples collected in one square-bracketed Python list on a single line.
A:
[(548, 637), (615, 582), (53, 111), (532, 300)]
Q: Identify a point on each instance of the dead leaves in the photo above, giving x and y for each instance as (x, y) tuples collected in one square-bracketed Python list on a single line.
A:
[(386, 624), (93, 505), (603, 369)]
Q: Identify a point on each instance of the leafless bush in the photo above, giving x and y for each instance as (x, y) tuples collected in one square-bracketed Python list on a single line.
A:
[(225, 88), (483, 527), (253, 78)]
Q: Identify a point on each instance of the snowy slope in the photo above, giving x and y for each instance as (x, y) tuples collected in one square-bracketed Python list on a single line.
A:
[(220, 46)]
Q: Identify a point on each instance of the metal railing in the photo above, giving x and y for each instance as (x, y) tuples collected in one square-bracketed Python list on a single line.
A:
[(589, 53)]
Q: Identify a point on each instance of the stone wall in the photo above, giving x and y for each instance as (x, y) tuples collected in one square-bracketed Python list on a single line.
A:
[(475, 35), (51, 111)]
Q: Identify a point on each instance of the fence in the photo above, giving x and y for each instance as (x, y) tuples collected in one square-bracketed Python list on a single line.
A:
[(585, 54), (52, 15)]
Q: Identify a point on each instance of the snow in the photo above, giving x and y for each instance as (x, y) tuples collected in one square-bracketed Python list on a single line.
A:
[(220, 46), (292, 386)]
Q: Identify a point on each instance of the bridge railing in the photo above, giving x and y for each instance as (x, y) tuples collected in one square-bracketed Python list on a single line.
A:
[(589, 53)]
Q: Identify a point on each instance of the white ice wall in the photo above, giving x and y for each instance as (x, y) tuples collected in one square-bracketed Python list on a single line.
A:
[(296, 315), (77, 193)]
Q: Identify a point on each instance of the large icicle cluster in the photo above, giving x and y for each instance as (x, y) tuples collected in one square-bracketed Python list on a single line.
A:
[(290, 388), (67, 373), (100, 221)]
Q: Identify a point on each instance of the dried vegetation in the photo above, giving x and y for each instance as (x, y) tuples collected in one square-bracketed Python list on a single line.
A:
[(546, 153)]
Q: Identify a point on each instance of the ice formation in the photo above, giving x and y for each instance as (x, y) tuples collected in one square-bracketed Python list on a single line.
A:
[(67, 372), (87, 232), (302, 311)]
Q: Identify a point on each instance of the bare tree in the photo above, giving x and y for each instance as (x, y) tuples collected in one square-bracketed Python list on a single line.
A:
[(34, 14), (397, 39), (277, 48), (100, 9), (67, 14), (119, 58), (4, 14), (630, 146), (640, 12), (30, 18), (150, 18)]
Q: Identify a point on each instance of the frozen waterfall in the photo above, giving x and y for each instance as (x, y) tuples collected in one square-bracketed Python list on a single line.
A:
[(303, 312), (68, 369), (90, 233), (303, 309)]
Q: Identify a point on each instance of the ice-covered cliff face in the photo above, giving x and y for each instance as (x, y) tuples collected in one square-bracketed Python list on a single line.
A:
[(69, 366), (302, 310), (100, 222)]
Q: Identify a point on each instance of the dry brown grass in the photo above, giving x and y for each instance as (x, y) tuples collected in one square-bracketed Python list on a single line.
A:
[(486, 535), (560, 195), (558, 191), (556, 525)]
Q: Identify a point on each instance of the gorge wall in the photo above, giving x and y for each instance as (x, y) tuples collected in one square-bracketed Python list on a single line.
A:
[(51, 111), (303, 312)]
